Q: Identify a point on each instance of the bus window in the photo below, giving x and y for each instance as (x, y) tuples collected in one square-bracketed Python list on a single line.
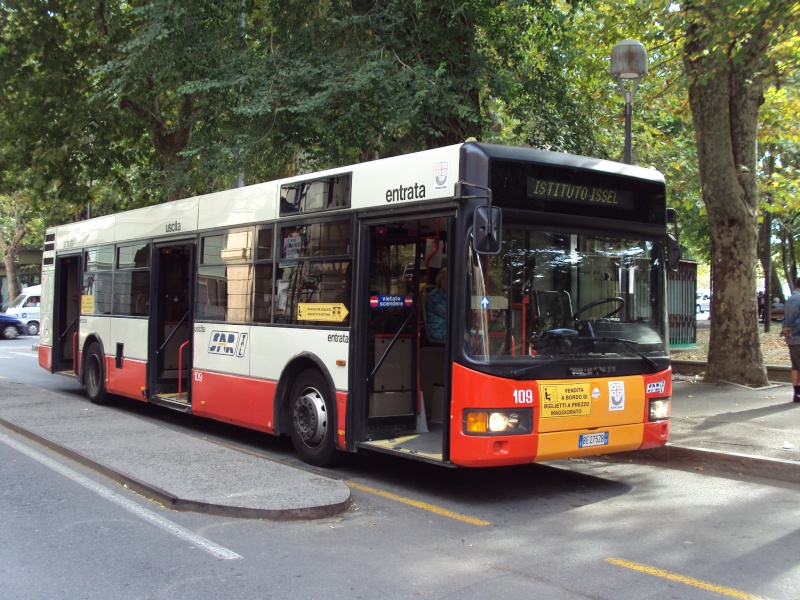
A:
[(97, 278), (313, 279), (225, 277), (132, 280)]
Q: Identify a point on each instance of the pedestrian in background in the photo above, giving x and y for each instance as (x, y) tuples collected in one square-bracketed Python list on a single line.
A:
[(791, 331)]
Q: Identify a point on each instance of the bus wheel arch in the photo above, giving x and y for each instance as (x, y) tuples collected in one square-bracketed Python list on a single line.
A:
[(308, 411), (94, 371)]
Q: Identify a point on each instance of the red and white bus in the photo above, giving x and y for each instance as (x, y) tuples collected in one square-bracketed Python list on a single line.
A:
[(299, 307)]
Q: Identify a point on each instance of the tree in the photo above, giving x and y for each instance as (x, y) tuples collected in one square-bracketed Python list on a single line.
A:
[(726, 57), (16, 220), (331, 83)]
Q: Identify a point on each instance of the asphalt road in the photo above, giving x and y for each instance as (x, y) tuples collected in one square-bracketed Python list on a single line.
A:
[(569, 530)]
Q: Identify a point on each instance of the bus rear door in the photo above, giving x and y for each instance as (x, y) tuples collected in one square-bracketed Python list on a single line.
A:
[(66, 314)]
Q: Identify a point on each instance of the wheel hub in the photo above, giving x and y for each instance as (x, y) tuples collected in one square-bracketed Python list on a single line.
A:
[(310, 417)]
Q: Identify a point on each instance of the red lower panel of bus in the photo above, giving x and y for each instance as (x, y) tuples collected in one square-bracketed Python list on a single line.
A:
[(129, 380), (233, 399), (46, 357), (247, 402), (655, 435)]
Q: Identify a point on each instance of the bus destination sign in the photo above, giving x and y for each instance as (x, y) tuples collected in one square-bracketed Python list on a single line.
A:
[(542, 189)]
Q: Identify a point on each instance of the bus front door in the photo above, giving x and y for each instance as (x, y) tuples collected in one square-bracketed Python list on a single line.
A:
[(404, 371), (171, 325), (66, 315)]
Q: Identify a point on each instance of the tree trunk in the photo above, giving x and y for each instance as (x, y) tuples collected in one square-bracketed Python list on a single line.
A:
[(725, 96), (11, 275)]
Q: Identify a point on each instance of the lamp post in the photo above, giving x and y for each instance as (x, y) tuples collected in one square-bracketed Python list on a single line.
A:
[(628, 66)]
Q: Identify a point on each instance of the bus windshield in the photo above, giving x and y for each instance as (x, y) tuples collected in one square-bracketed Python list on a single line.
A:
[(549, 295)]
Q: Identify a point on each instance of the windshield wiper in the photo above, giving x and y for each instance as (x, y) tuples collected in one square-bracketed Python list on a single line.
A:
[(525, 371), (629, 344)]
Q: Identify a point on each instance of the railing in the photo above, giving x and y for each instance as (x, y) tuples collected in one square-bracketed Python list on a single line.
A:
[(180, 369)]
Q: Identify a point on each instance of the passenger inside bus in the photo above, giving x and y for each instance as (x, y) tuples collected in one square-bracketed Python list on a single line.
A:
[(436, 308)]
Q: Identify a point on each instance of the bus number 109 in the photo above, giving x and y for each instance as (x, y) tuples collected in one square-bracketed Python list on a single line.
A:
[(523, 396)]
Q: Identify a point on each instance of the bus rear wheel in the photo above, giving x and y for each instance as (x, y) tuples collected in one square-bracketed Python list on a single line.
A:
[(94, 374), (312, 428)]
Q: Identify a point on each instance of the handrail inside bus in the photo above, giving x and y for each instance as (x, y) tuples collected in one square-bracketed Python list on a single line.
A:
[(180, 369), (66, 331), (389, 347), (174, 331), (75, 352)]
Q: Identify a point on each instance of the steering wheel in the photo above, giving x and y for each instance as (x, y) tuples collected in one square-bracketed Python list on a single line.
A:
[(616, 299)]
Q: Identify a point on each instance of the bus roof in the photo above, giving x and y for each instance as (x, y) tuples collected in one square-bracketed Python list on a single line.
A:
[(419, 177)]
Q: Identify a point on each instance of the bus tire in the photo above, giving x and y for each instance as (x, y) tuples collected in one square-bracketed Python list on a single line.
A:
[(94, 375), (313, 429)]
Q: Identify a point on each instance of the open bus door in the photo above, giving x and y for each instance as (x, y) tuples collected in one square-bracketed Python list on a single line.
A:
[(405, 370), (66, 314), (171, 325)]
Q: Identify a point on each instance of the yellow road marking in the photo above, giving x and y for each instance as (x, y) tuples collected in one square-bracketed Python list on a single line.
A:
[(417, 504), (703, 585)]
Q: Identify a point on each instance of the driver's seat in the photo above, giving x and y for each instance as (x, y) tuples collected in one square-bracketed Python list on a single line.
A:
[(554, 309)]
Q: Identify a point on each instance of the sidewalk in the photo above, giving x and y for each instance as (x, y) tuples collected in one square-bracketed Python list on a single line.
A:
[(714, 428), (182, 471), (728, 427)]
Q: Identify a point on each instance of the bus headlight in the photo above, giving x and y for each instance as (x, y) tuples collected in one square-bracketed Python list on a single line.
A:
[(498, 422), (659, 409)]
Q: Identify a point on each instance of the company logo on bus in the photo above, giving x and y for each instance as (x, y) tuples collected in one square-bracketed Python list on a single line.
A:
[(440, 170), (227, 343), (657, 387)]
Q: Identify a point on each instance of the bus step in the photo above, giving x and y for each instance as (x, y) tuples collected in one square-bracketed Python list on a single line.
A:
[(426, 447), (172, 401), (67, 373)]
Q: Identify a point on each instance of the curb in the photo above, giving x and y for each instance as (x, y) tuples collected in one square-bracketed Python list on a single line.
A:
[(172, 501), (743, 464), (695, 367)]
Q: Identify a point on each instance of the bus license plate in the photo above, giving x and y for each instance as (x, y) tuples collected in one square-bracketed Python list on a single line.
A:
[(593, 439)]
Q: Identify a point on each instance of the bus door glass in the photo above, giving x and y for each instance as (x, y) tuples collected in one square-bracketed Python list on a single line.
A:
[(172, 319), (66, 313), (405, 345)]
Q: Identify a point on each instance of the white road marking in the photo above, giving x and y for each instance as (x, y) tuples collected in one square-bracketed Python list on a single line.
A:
[(148, 515), (25, 354)]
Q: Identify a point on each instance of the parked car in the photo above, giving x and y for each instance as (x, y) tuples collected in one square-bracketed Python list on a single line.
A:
[(26, 308), (703, 302), (11, 327)]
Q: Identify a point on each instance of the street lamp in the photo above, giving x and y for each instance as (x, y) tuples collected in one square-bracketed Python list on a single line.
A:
[(628, 64)]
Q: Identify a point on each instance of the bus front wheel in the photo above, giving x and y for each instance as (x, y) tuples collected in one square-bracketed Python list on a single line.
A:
[(95, 375), (313, 429)]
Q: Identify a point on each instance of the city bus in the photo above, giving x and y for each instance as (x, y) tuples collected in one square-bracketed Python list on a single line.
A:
[(299, 307)]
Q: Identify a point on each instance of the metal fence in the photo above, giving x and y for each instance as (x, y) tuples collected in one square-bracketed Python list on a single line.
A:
[(681, 305)]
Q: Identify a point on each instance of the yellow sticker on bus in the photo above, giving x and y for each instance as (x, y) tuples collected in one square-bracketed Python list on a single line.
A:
[(87, 304), (565, 399), (313, 311)]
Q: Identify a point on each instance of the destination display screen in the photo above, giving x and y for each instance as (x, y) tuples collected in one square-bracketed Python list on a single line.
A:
[(579, 192), (574, 193)]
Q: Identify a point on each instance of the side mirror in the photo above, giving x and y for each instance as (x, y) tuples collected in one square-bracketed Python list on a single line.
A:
[(673, 252), (487, 230)]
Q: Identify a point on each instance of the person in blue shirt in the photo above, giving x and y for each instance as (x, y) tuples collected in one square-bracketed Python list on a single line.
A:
[(791, 331), (437, 307)]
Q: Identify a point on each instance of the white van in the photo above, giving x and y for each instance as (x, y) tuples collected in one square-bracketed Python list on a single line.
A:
[(26, 308)]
